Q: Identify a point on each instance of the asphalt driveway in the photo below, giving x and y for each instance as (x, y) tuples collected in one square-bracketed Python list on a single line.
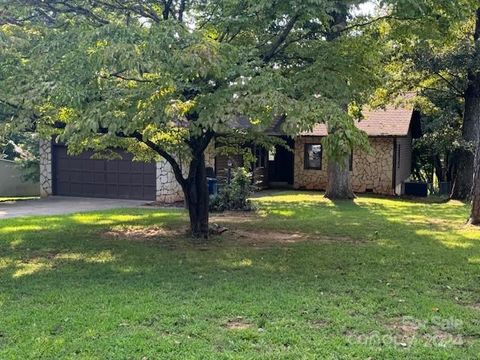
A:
[(59, 205)]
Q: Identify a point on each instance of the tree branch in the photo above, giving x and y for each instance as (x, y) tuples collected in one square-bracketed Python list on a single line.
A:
[(370, 22), (281, 39), (74, 9), (177, 170), (453, 94), (8, 103), (167, 8), (135, 8), (450, 84), (181, 10), (119, 75)]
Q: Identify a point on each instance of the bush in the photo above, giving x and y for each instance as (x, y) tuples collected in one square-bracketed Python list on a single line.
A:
[(234, 196)]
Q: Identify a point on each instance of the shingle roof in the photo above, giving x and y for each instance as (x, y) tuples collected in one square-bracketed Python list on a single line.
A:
[(391, 121), (243, 122)]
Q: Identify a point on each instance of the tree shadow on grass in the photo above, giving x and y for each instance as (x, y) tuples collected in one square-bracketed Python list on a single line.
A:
[(433, 237), (380, 222)]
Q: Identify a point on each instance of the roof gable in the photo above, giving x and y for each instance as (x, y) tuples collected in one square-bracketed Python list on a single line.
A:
[(392, 121)]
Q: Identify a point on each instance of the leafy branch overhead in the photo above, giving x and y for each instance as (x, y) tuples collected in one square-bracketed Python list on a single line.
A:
[(135, 66), (163, 78)]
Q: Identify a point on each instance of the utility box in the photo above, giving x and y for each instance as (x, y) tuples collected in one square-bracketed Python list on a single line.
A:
[(445, 188), (212, 186), (418, 189)]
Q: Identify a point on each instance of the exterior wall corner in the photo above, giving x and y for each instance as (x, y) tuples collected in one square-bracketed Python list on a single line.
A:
[(168, 189), (46, 180), (372, 171)]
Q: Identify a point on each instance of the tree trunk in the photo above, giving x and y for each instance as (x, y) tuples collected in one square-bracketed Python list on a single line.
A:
[(465, 158), (339, 185), (439, 171), (462, 188), (475, 216), (196, 197), (449, 167), (474, 84)]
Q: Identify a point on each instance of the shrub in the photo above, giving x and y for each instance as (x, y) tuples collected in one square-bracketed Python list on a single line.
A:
[(234, 196)]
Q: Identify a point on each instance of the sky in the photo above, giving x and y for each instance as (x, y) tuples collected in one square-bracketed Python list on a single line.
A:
[(367, 8)]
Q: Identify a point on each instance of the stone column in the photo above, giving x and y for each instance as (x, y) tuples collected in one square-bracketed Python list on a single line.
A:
[(46, 188), (210, 155), (169, 190)]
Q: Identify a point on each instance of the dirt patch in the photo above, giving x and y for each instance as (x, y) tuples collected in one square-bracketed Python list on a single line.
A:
[(404, 329), (237, 324), (176, 205), (475, 306), (336, 239), (319, 324), (433, 221), (240, 237), (227, 236), (407, 331), (234, 217), (40, 256), (265, 236), (144, 233)]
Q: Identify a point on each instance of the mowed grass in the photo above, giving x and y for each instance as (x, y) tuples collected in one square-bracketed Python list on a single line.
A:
[(303, 278)]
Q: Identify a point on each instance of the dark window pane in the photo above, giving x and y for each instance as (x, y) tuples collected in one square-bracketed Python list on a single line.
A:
[(313, 156), (350, 165), (260, 155), (399, 154)]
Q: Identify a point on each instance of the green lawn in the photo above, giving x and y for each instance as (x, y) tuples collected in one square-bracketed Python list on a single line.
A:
[(301, 279)]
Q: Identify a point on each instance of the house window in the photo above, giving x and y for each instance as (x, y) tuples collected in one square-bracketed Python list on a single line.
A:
[(271, 155), (313, 156), (350, 165), (399, 153), (260, 156)]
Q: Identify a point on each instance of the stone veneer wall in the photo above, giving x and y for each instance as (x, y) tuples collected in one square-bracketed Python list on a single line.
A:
[(210, 155), (46, 186), (169, 190), (372, 172)]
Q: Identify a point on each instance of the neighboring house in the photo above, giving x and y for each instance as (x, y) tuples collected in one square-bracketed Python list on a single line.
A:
[(383, 170), (11, 181)]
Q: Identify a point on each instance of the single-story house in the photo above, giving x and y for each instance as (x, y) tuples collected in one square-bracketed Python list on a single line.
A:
[(383, 170)]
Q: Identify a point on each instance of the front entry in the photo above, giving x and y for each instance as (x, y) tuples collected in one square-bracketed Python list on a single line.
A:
[(281, 165)]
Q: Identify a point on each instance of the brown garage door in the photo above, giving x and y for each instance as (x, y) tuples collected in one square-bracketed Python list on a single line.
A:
[(117, 179)]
